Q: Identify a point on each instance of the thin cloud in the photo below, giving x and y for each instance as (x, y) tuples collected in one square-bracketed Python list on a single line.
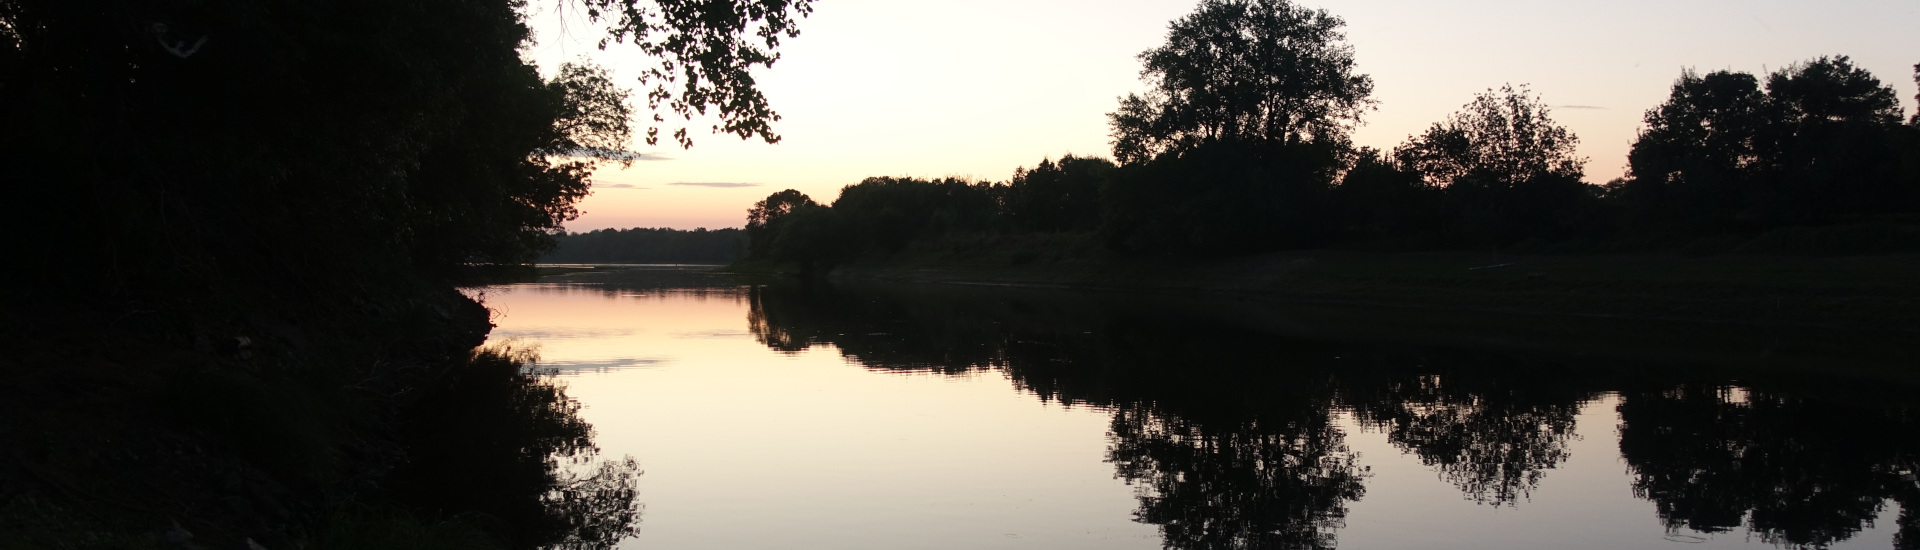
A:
[(618, 186), (716, 184), (1582, 107)]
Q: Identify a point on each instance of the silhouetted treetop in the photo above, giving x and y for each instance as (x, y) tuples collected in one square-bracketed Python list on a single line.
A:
[(1062, 196), (766, 217), (1821, 142), (1715, 118), (594, 121), (1243, 70), (1502, 138), (1831, 89), (707, 50)]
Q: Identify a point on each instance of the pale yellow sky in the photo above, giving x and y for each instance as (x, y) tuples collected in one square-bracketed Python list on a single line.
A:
[(934, 88)]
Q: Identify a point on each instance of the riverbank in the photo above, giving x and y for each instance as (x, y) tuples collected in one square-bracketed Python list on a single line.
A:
[(1870, 292), (1851, 313)]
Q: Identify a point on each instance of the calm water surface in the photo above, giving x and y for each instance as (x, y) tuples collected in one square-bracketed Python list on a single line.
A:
[(781, 416)]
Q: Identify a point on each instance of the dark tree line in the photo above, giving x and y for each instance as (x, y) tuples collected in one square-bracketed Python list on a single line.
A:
[(1241, 145), (642, 245)]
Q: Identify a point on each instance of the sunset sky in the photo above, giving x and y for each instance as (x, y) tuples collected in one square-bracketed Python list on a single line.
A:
[(934, 88)]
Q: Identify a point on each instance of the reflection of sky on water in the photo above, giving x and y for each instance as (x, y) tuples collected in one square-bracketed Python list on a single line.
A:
[(578, 367), (748, 447)]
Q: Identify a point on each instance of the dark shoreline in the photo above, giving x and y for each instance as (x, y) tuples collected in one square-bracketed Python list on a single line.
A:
[(1853, 315)]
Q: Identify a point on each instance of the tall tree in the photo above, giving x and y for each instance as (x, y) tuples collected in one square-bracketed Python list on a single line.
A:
[(332, 141), (1243, 70), (1063, 196), (766, 217), (1503, 138), (1700, 149), (1509, 171), (1819, 144)]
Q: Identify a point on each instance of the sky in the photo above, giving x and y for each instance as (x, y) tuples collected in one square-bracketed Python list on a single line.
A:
[(977, 88)]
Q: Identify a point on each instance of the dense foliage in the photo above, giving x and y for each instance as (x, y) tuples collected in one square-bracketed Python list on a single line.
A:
[(242, 223), (1823, 142), (1243, 70), (183, 141)]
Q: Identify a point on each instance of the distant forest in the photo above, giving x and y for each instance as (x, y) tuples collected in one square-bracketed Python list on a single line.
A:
[(1241, 145), (642, 245)]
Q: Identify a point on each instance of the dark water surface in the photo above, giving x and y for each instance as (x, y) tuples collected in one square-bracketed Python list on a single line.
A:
[(774, 415)]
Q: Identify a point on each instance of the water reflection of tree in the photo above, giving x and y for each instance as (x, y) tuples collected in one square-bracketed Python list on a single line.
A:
[(1493, 434), (1245, 486), (1229, 434), (876, 333), (1225, 454), (1799, 472), (509, 448), (1230, 441)]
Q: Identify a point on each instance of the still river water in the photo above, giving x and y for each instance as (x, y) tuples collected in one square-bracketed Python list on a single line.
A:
[(774, 415)]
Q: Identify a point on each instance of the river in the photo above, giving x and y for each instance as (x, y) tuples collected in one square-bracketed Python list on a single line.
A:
[(768, 414)]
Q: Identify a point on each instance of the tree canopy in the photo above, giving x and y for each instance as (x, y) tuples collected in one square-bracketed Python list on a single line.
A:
[(1502, 138), (184, 139), (1243, 70), (1821, 141), (707, 50)]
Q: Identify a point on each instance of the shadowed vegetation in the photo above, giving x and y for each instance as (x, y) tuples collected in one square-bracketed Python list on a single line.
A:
[(264, 211)]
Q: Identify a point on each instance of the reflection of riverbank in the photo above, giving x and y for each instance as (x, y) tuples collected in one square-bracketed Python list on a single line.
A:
[(394, 432), (487, 438), (1859, 315), (1226, 412)]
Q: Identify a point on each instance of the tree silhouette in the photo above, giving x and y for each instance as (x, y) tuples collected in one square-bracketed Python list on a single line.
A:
[(1492, 434), (1063, 196), (707, 50), (886, 213), (1697, 158), (1820, 143), (1508, 168), (1833, 150), (767, 217), (1504, 138), (1265, 70), (1211, 486), (1379, 201), (335, 143), (1797, 471)]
